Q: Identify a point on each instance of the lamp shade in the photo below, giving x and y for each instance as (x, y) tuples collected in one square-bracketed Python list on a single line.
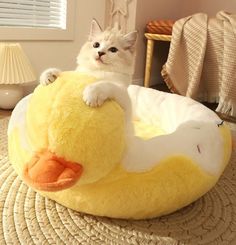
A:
[(15, 67)]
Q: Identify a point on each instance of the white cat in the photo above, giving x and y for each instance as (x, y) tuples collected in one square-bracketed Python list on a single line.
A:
[(109, 57)]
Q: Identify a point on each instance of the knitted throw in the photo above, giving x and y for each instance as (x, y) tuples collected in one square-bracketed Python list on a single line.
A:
[(202, 60)]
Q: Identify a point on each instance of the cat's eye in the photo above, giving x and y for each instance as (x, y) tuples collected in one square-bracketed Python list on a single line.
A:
[(113, 49), (96, 45)]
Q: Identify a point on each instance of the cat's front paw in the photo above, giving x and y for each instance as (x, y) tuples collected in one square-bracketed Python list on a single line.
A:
[(94, 95), (49, 76)]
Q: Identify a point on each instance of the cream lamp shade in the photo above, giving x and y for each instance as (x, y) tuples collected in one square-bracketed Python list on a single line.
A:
[(15, 69)]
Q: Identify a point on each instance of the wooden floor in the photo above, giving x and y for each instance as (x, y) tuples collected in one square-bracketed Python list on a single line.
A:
[(5, 113), (161, 86)]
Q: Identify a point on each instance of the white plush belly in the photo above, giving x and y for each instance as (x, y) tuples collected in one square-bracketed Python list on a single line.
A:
[(190, 128)]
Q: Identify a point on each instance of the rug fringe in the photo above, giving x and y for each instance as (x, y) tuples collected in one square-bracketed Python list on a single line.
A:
[(227, 107), (167, 80)]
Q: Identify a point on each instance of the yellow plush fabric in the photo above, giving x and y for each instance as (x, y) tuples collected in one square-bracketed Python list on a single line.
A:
[(74, 130), (58, 120)]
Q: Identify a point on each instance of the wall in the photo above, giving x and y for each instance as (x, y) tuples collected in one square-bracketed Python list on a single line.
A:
[(168, 9), (146, 11), (62, 54), (211, 7)]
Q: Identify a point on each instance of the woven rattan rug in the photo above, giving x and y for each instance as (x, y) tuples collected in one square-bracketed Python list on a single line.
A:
[(28, 218)]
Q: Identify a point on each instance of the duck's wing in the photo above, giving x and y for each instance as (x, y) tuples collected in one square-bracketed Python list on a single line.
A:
[(18, 120)]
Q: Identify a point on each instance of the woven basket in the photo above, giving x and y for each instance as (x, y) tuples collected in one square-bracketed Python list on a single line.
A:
[(160, 27)]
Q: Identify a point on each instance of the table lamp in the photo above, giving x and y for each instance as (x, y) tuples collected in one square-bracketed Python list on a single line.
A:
[(15, 70)]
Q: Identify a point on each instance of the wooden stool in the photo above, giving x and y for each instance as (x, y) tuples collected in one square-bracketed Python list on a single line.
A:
[(159, 30)]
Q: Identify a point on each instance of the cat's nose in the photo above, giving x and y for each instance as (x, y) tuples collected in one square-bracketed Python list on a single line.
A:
[(101, 53)]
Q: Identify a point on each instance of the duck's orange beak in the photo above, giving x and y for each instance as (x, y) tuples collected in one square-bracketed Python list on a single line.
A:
[(48, 172)]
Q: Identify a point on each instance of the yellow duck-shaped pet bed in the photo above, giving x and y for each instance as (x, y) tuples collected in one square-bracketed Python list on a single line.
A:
[(79, 157)]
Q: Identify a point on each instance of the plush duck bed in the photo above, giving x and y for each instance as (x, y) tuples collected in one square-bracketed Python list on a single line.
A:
[(80, 156)]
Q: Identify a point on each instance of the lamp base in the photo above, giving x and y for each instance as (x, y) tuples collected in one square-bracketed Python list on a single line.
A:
[(10, 94)]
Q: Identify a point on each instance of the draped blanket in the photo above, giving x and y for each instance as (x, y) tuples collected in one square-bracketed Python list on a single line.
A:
[(202, 60)]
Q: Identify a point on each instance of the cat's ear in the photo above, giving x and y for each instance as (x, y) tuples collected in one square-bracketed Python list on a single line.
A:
[(130, 39), (95, 30)]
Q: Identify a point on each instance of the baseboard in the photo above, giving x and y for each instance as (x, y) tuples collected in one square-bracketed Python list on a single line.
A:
[(138, 81), (153, 81)]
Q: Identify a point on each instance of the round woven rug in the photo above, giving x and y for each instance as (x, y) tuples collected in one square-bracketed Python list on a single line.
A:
[(28, 218)]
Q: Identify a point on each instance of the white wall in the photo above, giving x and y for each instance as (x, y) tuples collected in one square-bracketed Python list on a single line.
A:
[(62, 54), (146, 11), (211, 7), (168, 9)]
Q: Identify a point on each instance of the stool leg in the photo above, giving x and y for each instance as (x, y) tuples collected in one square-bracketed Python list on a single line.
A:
[(149, 55)]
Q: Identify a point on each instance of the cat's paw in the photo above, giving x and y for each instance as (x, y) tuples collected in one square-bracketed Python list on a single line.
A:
[(94, 95), (49, 76)]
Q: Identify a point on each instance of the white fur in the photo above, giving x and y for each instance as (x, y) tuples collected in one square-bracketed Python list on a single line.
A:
[(186, 136), (113, 70), (49, 76)]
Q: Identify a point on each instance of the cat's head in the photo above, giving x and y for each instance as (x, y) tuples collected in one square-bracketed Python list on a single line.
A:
[(108, 50)]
